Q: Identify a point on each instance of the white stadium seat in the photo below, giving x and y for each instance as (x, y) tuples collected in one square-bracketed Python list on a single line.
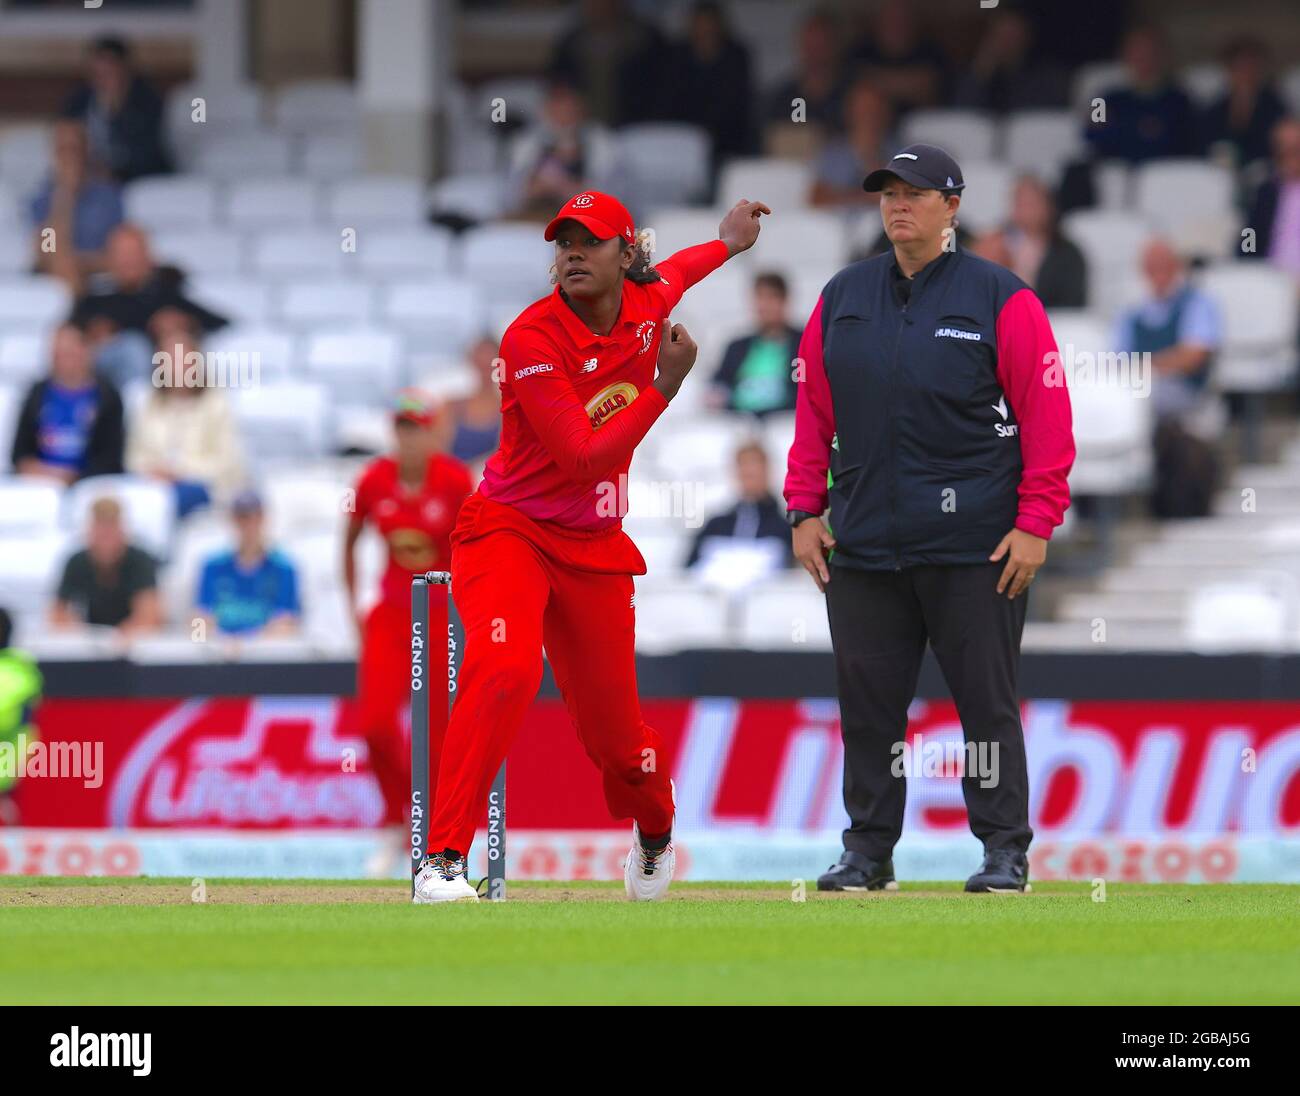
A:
[(1190, 201), (225, 109), (1092, 80), (329, 156), (34, 303), (270, 350), (23, 356), (317, 302), (282, 202), (239, 299), (15, 246), (314, 106), (148, 508), (782, 184), (160, 201), (1258, 307), (816, 236), (673, 616), (1112, 242), (666, 162), (1111, 412), (200, 250), (986, 201), (296, 252), (358, 365), (785, 613), (511, 260), (30, 567), (1256, 614), (24, 157), (29, 507), (1204, 83), (389, 253), (477, 196), (287, 421), (963, 134), (521, 98), (675, 228), (244, 155), (440, 315), (377, 199), (1042, 142)]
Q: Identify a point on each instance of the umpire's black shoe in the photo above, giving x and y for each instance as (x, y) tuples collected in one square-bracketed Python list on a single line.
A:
[(856, 872), (1004, 871)]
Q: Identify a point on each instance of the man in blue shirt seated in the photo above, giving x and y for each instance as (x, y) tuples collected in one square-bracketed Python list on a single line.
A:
[(73, 212), (251, 591), (70, 424), (1180, 327)]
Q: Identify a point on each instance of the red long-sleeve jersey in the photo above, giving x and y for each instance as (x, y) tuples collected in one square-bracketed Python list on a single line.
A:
[(575, 404)]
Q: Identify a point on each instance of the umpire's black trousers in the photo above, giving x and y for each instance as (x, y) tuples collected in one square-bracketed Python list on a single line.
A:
[(880, 622)]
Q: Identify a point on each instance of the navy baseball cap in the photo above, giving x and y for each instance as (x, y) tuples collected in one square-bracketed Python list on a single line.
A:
[(926, 166)]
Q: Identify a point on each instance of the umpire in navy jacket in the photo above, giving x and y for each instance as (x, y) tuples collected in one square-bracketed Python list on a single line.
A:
[(933, 397)]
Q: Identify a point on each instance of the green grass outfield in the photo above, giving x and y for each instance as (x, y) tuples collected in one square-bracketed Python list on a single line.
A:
[(145, 941)]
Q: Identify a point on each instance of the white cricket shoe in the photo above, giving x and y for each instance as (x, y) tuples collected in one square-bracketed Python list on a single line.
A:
[(442, 880), (648, 872)]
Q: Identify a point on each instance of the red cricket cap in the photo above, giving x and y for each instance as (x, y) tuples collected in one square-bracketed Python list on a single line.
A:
[(604, 214), (413, 405)]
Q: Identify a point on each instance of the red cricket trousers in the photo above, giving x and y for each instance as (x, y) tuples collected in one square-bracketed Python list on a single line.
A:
[(521, 586)]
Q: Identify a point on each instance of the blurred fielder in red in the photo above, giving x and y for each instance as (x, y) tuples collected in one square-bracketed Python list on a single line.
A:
[(539, 557), (411, 499)]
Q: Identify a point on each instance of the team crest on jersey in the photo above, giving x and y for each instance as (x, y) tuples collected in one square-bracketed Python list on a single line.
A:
[(609, 401), (646, 333)]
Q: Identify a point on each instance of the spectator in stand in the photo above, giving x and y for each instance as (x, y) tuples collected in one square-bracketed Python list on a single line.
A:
[(846, 159), (1275, 210), (902, 62), (1009, 73), (79, 209), (751, 540), (109, 583), (127, 307), (1149, 117), (815, 89), (185, 433), (122, 113), (616, 61), (709, 85), (1180, 327), (250, 591), (71, 423), (756, 374), (1033, 246), (1237, 125), (477, 417), (559, 156)]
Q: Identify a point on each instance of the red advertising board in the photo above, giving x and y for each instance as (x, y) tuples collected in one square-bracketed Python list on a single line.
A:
[(1097, 769)]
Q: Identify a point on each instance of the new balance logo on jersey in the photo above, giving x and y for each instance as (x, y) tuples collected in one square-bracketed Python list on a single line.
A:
[(956, 333), (529, 370), (589, 365), (1003, 428)]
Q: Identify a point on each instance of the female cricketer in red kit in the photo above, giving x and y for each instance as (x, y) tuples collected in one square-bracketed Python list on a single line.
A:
[(539, 557)]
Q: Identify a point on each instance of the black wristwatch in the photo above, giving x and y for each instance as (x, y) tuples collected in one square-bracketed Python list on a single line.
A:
[(795, 518)]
